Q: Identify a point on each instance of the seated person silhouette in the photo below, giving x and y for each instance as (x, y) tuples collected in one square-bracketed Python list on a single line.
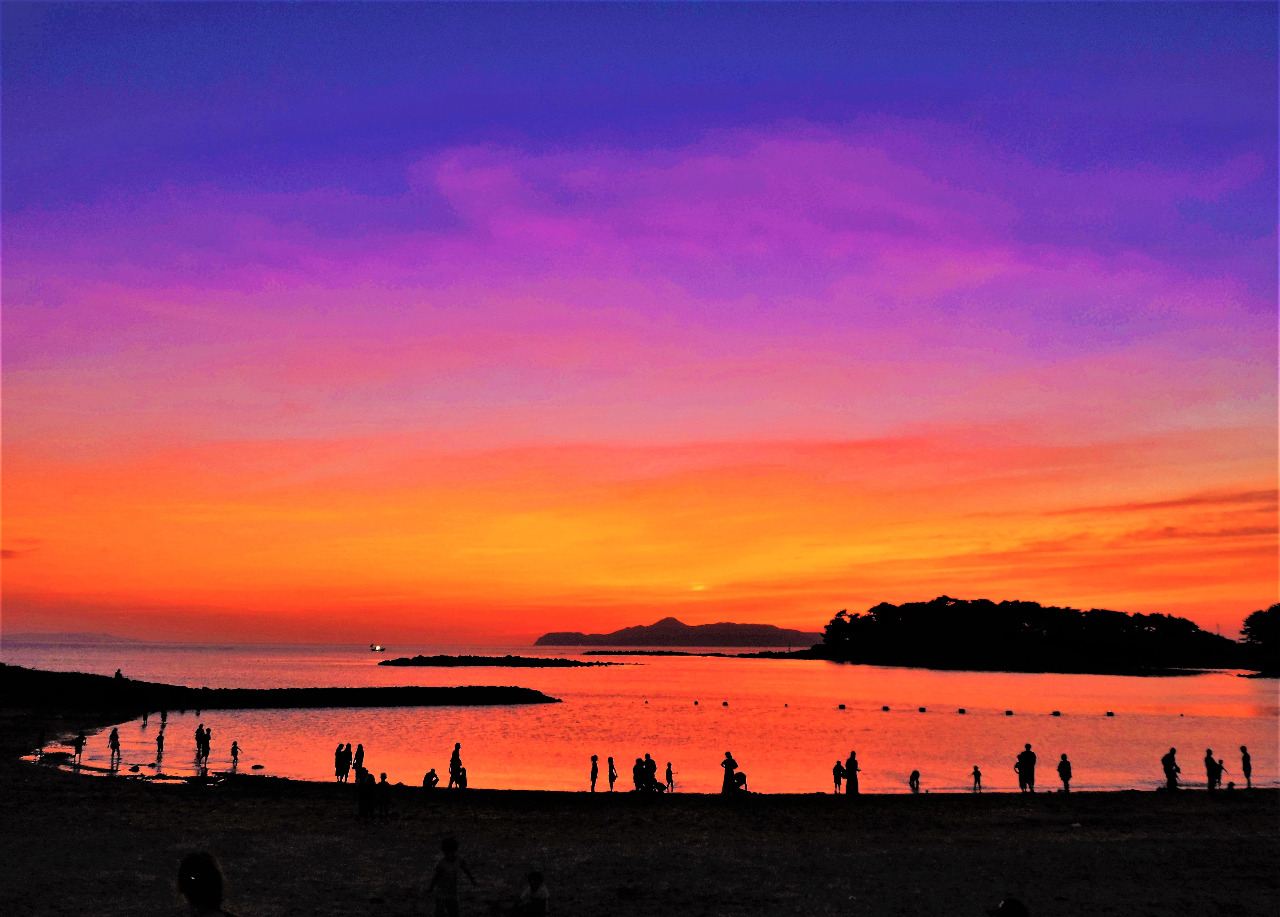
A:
[(200, 881), (430, 780)]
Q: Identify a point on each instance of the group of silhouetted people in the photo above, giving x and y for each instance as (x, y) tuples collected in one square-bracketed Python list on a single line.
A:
[(846, 773), (204, 740), (1214, 768), (735, 781), (345, 761), (644, 775)]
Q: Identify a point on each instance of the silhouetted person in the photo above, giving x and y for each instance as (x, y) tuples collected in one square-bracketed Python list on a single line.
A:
[(977, 779), (595, 771), (119, 676), (613, 775), (455, 766), (837, 775), (651, 774), (159, 745), (145, 714), (1026, 768), (164, 718), (730, 770), (337, 763), (199, 742), (366, 789), (200, 881), (347, 758), (1064, 773), (1171, 770), (235, 755), (462, 778), (851, 771), (1246, 767), (430, 780), (637, 775), (1009, 907), (1210, 769), (444, 880), (671, 779), (359, 758), (383, 797), (113, 743), (533, 898), (914, 781), (78, 744)]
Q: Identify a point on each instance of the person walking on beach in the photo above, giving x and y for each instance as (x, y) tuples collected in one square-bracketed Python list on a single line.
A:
[(1210, 769), (851, 771), (78, 744), (914, 781), (113, 743), (1171, 770), (1026, 768), (730, 767), (595, 771), (1246, 767), (455, 766), (837, 775), (613, 775), (1064, 773), (671, 779), (444, 879), (235, 755), (977, 779)]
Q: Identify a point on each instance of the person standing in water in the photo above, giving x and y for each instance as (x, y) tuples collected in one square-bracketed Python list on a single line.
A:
[(235, 755), (1064, 773), (113, 742), (159, 746), (851, 771), (613, 775), (595, 771), (1246, 767)]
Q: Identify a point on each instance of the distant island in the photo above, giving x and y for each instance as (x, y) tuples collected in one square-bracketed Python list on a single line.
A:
[(79, 638), (671, 632), (1018, 636), (515, 662)]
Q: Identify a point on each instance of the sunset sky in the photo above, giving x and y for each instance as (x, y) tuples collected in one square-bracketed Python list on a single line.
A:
[(463, 323)]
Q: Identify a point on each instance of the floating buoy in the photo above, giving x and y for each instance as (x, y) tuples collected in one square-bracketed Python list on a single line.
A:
[(724, 703), (842, 706), (695, 703), (1056, 713), (1008, 713), (786, 705), (646, 702), (256, 767), (885, 709), (134, 769), (1112, 713), (961, 710), (922, 709)]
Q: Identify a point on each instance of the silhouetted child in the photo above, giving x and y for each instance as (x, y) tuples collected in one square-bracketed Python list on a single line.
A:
[(977, 779), (837, 775), (1064, 773), (913, 781), (235, 755), (113, 742), (671, 779), (383, 797), (533, 899), (1246, 767), (462, 778), (200, 881), (595, 771), (613, 775), (444, 880), (78, 744), (430, 780)]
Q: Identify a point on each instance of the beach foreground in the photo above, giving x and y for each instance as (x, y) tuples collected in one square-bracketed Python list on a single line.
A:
[(78, 844)]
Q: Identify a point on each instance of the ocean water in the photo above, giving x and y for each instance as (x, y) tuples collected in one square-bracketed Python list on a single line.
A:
[(781, 719)]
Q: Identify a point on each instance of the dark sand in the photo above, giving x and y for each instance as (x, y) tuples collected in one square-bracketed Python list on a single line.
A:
[(76, 844)]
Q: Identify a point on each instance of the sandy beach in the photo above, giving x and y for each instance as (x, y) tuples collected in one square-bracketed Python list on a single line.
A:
[(77, 844)]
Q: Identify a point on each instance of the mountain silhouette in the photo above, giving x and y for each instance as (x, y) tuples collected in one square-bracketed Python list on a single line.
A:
[(672, 632)]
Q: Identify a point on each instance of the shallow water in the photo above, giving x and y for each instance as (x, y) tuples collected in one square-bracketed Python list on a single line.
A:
[(782, 720)]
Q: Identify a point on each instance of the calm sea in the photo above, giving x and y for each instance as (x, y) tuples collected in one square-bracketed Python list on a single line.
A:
[(781, 719)]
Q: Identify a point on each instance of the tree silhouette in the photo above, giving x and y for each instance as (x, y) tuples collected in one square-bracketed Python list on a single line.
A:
[(1261, 633)]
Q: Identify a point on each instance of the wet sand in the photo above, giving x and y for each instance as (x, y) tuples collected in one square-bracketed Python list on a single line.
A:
[(76, 844)]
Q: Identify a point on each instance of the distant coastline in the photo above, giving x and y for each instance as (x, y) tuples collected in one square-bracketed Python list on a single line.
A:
[(673, 632), (513, 662)]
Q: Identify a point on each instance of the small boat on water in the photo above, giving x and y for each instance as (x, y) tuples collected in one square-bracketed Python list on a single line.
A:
[(377, 648)]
